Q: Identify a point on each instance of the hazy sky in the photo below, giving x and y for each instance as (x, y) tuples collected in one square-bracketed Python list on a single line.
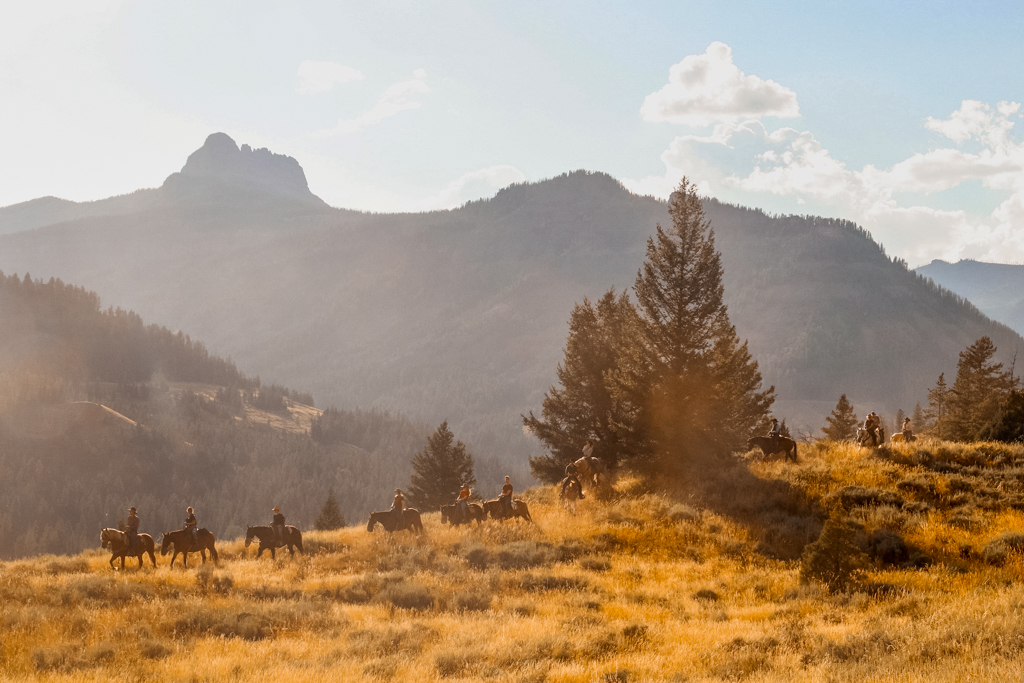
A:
[(902, 116)]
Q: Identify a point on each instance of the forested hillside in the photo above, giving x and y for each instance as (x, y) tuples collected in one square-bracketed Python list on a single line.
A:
[(99, 412), (461, 315)]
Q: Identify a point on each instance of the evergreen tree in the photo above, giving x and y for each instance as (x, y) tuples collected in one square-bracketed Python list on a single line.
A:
[(690, 389), (981, 387), (1008, 425), (439, 470), (842, 423), (330, 517), (938, 407), (582, 407), (917, 419)]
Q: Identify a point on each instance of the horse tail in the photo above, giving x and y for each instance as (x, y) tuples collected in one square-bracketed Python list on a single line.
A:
[(298, 542), (795, 457)]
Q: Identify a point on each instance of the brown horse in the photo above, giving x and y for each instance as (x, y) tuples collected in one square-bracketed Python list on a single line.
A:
[(900, 437), (182, 542), (770, 446), (569, 495), (386, 518), (450, 514), (268, 540), (496, 510), (589, 469), (117, 541)]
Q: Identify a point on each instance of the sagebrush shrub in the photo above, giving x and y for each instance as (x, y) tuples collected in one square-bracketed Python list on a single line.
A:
[(835, 557)]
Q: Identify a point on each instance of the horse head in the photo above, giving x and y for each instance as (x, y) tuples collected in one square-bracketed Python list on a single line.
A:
[(165, 543), (444, 514), (373, 521), (248, 535)]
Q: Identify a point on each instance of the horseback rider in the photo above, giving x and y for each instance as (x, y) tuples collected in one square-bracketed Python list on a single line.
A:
[(908, 433), (775, 432), (871, 425), (572, 477), (132, 529), (398, 508), (463, 501), (192, 526), (278, 526), (506, 497)]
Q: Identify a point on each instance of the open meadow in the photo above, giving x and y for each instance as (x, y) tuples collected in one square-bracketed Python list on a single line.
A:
[(916, 577)]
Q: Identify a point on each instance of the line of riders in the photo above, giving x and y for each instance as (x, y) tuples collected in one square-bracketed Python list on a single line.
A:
[(871, 432), (570, 486)]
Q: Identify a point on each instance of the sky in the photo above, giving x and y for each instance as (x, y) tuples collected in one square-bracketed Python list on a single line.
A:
[(903, 117)]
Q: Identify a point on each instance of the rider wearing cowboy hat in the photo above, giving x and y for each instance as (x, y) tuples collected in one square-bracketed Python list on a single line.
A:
[(506, 496), (398, 508), (191, 526), (132, 525), (278, 525), (463, 501)]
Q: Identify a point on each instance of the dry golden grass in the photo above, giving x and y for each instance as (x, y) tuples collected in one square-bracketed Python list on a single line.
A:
[(644, 589)]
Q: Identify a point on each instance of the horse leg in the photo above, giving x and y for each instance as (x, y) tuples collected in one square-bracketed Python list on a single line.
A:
[(184, 559), (152, 556), (174, 556), (202, 553)]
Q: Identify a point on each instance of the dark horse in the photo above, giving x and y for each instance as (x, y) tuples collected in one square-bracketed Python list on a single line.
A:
[(386, 518), (268, 540), (569, 495), (183, 544), (450, 514), (770, 446), (117, 541), (496, 510)]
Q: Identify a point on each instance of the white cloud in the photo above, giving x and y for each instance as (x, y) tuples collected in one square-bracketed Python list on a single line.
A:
[(795, 165), (709, 89), (475, 185), (399, 97), (317, 77)]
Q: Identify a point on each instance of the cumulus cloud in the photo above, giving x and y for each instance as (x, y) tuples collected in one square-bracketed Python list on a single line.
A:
[(317, 77), (790, 163), (475, 185), (708, 89), (399, 97)]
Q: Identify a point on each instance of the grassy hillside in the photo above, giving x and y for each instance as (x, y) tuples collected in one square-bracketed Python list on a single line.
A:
[(650, 588)]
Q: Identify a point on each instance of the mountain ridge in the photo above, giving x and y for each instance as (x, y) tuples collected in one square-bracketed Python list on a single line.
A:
[(461, 314)]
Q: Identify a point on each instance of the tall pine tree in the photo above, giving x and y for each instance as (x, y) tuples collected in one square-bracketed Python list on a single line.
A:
[(582, 408), (439, 470), (938, 408), (842, 423), (980, 389), (689, 388)]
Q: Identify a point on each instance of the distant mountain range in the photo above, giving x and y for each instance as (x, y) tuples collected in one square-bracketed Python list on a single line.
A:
[(995, 288), (461, 314)]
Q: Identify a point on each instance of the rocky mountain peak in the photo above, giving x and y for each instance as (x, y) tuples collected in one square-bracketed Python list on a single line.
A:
[(222, 159)]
